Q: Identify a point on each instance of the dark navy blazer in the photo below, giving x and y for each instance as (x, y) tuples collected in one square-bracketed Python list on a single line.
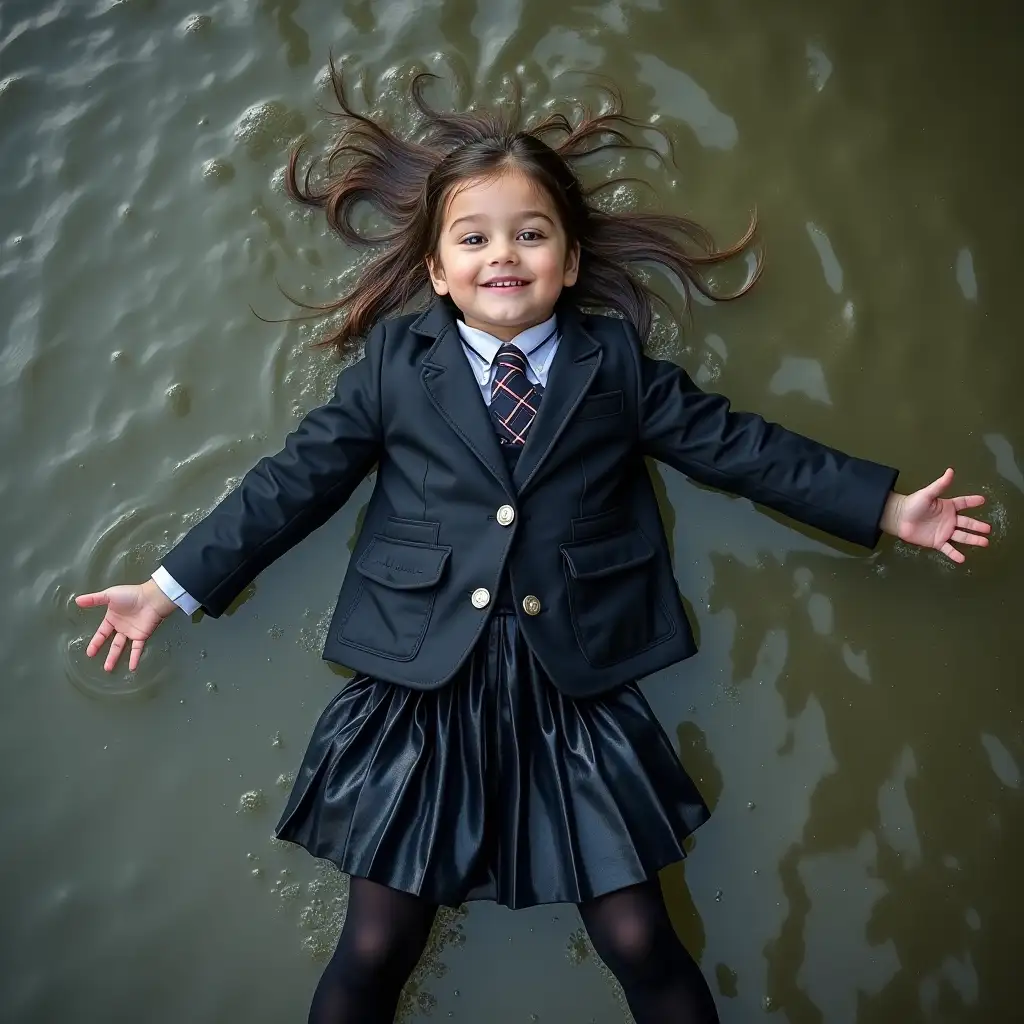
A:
[(575, 525)]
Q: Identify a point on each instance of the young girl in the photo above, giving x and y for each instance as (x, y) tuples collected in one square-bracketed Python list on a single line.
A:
[(512, 579)]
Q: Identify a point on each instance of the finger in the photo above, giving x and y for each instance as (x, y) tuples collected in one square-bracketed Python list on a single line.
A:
[(968, 501), (133, 660), (100, 637), (966, 523), (936, 487), (951, 553), (91, 600), (969, 538), (116, 647)]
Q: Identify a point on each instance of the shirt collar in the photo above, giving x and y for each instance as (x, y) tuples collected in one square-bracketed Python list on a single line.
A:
[(486, 345)]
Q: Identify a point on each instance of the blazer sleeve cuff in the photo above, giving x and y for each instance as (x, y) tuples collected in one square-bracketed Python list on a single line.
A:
[(175, 591), (872, 483)]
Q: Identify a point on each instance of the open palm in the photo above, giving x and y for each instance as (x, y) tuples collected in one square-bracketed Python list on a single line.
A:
[(131, 615), (931, 521)]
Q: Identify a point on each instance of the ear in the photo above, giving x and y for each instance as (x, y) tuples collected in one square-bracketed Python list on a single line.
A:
[(572, 266), (436, 272)]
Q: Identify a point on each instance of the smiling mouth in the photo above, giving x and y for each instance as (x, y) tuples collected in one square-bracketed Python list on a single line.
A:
[(509, 282)]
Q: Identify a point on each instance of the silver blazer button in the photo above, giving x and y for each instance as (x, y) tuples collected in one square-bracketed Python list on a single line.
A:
[(505, 515), (531, 605), (481, 597)]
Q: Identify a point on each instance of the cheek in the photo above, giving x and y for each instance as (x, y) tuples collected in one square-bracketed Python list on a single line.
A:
[(462, 269), (452, 264), (547, 264)]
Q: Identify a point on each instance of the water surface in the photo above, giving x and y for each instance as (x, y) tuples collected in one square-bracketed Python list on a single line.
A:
[(853, 718)]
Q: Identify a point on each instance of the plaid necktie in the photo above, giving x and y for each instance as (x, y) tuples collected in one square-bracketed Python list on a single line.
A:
[(514, 400)]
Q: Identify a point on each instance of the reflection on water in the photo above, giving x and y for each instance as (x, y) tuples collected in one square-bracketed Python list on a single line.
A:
[(852, 719)]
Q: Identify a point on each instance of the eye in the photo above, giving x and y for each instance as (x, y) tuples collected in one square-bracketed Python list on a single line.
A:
[(534, 235), (472, 240)]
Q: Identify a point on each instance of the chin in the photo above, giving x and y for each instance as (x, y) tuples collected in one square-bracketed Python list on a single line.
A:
[(497, 314), (505, 316)]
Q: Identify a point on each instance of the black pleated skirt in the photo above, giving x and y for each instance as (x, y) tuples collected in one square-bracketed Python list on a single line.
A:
[(496, 786)]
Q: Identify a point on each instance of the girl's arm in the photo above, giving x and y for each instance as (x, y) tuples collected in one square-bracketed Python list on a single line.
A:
[(278, 502), (286, 496), (854, 499)]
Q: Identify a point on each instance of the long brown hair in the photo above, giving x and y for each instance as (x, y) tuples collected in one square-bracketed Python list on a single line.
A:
[(408, 181)]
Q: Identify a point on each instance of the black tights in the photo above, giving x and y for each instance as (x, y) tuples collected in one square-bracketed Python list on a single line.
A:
[(632, 933), (385, 932)]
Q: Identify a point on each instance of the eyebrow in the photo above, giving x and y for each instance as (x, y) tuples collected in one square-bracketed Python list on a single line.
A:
[(525, 215)]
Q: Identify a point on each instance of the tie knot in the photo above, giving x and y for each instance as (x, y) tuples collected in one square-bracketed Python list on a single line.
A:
[(511, 354)]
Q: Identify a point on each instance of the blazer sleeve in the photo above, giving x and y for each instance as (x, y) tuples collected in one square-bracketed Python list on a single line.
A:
[(698, 433), (286, 496)]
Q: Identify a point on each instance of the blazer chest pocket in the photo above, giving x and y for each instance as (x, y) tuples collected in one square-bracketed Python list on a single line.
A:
[(393, 604), (613, 597), (597, 407)]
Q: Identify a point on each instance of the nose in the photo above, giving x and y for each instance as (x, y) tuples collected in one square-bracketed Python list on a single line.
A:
[(503, 252)]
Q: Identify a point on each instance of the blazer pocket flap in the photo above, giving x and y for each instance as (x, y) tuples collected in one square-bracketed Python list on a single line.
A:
[(592, 559), (597, 406), (403, 565)]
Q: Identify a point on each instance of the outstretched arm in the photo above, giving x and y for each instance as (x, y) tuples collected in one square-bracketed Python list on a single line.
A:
[(284, 497), (281, 500), (699, 434)]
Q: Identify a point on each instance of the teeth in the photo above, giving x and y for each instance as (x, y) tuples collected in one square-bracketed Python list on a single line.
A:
[(505, 284)]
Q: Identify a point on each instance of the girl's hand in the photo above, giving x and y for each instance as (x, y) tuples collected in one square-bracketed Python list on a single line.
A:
[(133, 613), (928, 520)]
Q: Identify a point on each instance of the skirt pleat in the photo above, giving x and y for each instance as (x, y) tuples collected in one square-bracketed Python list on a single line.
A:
[(496, 786)]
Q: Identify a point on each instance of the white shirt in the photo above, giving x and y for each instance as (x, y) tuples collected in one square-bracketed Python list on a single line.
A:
[(538, 344)]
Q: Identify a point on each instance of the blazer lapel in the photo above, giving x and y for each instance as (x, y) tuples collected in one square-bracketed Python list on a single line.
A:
[(455, 393), (575, 364)]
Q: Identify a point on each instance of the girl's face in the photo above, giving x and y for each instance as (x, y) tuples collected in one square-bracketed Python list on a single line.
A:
[(503, 257)]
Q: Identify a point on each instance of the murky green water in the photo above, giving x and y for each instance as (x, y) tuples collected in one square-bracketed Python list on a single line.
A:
[(854, 720)]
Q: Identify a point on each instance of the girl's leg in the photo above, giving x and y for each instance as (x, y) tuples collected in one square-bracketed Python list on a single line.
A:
[(632, 933), (384, 934)]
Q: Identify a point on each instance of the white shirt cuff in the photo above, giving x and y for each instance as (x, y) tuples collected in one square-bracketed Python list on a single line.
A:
[(175, 591)]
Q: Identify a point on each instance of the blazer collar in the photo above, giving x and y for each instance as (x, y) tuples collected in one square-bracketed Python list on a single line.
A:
[(453, 389), (455, 393), (573, 369), (439, 315)]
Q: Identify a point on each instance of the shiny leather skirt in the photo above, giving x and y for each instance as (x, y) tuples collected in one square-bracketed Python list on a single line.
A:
[(496, 786)]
